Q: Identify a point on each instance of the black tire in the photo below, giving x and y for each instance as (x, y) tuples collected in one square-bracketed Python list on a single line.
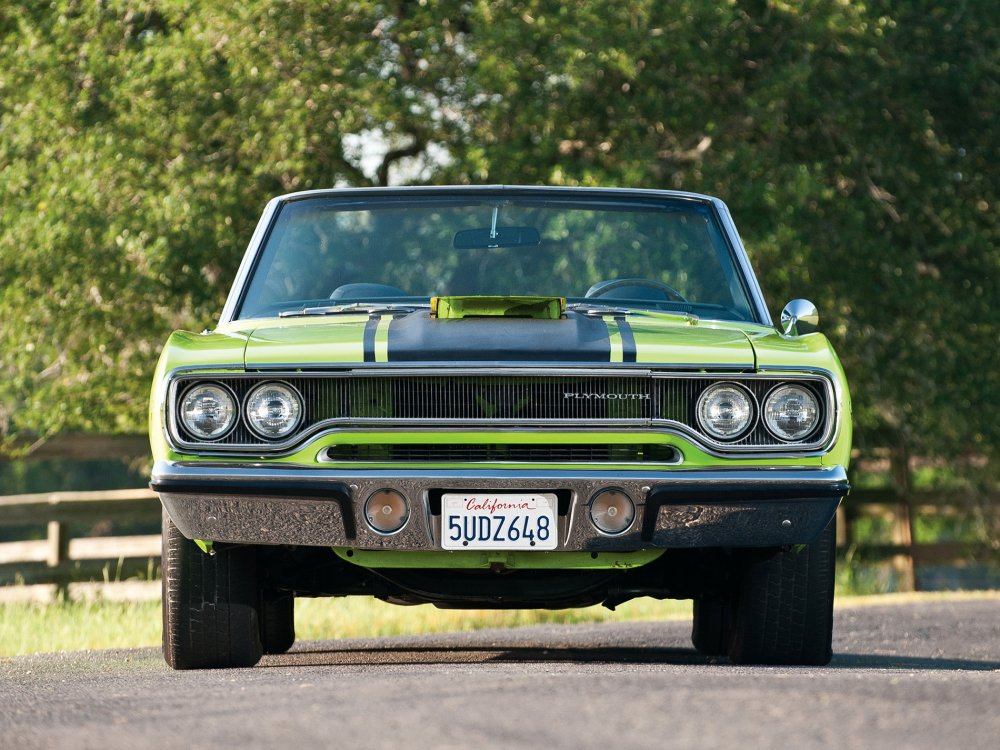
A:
[(783, 607), (210, 605), (277, 624), (711, 627)]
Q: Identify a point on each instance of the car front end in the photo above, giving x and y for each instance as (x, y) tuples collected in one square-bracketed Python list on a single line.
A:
[(502, 397)]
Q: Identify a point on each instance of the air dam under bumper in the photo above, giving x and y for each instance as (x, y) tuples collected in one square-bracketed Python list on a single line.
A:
[(303, 505)]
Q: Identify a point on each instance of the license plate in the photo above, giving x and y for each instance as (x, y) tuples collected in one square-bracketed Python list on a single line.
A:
[(512, 521)]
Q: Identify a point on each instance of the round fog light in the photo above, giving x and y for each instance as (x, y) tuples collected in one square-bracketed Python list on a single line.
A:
[(612, 511), (387, 511)]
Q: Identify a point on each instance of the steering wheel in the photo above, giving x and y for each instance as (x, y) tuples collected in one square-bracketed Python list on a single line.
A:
[(601, 288), (362, 290)]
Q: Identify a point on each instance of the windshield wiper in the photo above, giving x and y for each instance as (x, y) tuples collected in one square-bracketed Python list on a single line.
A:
[(591, 308), (352, 308)]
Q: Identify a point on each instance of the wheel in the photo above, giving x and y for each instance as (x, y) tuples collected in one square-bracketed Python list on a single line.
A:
[(277, 623), (210, 605), (711, 626), (783, 606)]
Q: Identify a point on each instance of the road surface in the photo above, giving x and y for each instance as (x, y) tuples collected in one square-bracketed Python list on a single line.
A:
[(917, 675)]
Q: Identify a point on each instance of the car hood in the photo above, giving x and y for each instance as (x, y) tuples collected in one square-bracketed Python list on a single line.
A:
[(417, 337)]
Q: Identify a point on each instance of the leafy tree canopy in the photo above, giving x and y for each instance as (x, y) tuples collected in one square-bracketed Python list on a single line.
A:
[(857, 145)]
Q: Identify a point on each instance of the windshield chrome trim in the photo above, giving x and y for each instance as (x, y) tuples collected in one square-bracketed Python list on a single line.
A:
[(743, 259), (249, 260)]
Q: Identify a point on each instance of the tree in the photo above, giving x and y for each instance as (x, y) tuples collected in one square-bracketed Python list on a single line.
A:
[(855, 143), (139, 143)]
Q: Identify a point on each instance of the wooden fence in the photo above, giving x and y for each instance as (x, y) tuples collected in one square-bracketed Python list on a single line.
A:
[(60, 562), (900, 512)]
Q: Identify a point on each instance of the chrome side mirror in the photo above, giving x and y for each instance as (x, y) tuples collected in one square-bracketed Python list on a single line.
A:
[(799, 312)]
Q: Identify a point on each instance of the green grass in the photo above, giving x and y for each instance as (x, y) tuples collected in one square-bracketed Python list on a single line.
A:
[(359, 617), (78, 626)]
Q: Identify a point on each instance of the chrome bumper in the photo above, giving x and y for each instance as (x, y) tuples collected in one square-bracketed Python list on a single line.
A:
[(319, 506)]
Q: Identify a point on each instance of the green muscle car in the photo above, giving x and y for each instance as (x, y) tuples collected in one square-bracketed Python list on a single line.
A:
[(491, 397)]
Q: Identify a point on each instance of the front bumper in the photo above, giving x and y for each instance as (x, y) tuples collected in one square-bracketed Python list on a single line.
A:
[(318, 506)]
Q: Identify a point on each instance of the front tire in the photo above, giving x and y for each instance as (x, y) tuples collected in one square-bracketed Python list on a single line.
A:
[(210, 604), (783, 606)]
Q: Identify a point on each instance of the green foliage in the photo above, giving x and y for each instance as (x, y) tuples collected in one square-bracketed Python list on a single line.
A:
[(855, 143)]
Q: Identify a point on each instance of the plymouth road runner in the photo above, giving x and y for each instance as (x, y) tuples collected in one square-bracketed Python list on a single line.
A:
[(491, 397)]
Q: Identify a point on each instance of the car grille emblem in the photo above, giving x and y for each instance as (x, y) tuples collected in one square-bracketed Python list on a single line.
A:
[(578, 395)]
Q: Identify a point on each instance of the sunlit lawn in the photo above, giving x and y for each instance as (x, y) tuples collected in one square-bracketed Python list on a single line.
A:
[(76, 626)]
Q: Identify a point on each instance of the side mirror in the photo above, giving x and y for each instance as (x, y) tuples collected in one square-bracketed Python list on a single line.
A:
[(799, 313)]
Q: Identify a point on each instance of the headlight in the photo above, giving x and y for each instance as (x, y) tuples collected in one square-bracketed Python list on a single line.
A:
[(273, 410), (208, 411), (725, 411), (791, 412)]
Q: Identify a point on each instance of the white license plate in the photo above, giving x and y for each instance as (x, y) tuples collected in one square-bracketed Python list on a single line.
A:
[(512, 521)]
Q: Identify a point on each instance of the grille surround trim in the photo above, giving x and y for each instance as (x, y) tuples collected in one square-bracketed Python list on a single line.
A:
[(241, 382)]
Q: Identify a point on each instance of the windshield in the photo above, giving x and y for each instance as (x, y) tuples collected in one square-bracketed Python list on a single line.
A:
[(326, 253)]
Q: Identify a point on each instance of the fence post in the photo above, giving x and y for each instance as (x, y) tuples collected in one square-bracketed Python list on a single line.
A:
[(58, 552), (902, 527), (902, 536), (57, 544)]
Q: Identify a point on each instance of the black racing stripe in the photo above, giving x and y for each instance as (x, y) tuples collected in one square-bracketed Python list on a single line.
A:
[(369, 339), (628, 339), (576, 338)]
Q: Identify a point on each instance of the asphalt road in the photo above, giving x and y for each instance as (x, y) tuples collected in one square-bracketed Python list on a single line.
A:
[(921, 675)]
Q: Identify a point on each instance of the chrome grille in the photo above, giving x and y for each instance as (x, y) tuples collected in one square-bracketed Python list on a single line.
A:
[(586, 401), (508, 399)]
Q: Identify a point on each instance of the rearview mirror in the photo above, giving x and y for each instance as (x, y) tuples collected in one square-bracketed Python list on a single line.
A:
[(485, 238)]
